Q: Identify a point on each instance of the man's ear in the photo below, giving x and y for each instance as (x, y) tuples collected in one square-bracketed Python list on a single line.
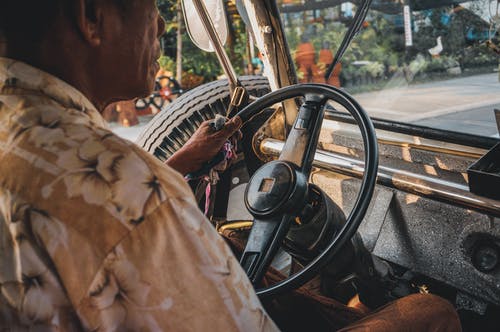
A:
[(89, 15)]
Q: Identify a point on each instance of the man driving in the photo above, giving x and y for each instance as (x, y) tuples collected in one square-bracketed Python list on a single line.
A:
[(95, 233)]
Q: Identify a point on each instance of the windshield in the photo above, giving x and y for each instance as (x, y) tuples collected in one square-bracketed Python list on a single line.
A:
[(433, 63), (430, 63)]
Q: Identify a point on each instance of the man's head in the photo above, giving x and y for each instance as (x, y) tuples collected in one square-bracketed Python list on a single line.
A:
[(105, 48)]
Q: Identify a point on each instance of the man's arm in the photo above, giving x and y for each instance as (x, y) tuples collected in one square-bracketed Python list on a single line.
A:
[(203, 146), (173, 272)]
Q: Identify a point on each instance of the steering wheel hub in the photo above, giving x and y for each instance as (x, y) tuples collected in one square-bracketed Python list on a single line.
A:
[(275, 188)]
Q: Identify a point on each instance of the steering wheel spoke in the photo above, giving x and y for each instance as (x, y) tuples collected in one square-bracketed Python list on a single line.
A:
[(300, 145), (264, 240)]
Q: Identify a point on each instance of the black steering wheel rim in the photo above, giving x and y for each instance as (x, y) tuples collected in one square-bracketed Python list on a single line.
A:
[(368, 180)]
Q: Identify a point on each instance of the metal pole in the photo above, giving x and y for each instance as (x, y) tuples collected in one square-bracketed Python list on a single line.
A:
[(264, 20), (217, 44)]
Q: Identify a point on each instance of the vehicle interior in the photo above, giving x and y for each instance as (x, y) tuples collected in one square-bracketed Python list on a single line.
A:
[(386, 182)]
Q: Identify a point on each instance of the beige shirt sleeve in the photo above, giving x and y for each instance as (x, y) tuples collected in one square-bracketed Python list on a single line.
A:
[(172, 272)]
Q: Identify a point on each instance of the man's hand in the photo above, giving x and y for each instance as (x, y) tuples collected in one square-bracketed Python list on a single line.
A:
[(203, 146)]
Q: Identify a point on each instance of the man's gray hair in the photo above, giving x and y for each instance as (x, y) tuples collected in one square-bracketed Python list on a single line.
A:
[(28, 21)]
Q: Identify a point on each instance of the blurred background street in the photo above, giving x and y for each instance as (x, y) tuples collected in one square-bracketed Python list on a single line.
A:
[(463, 104)]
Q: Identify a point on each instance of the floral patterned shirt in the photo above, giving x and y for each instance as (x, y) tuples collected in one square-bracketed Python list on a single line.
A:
[(95, 233)]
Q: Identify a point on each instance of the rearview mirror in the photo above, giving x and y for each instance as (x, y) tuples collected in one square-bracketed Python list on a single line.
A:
[(195, 27)]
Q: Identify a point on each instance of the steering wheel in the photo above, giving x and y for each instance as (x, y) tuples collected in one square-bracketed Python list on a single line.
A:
[(278, 190)]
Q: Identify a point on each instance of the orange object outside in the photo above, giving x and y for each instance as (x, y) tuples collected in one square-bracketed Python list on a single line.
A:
[(305, 57), (324, 60)]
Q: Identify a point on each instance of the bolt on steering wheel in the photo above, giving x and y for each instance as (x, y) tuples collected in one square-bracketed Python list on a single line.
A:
[(279, 189)]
